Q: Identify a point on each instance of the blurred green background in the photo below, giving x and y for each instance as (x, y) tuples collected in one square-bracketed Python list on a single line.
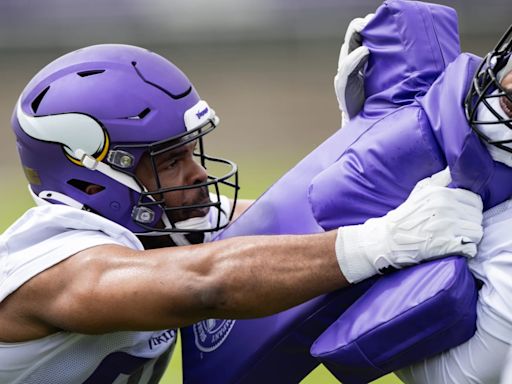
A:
[(265, 66)]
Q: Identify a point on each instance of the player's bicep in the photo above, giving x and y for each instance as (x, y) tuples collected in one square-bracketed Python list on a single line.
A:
[(112, 288)]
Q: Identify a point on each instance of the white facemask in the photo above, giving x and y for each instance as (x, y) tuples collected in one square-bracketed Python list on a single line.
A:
[(495, 132)]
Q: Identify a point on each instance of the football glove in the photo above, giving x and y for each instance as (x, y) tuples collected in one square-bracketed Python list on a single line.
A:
[(434, 221), (349, 80)]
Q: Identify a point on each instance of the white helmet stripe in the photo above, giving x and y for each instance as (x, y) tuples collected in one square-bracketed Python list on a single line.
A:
[(72, 130)]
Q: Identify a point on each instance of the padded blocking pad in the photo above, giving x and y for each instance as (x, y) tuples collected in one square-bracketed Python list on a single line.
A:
[(379, 332), (276, 348), (266, 350)]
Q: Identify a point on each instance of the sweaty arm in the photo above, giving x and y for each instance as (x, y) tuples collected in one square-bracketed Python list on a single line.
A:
[(110, 288)]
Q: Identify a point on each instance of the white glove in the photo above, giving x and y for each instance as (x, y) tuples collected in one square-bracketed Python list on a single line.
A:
[(349, 81), (434, 221)]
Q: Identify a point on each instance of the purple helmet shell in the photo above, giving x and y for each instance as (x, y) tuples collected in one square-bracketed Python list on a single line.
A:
[(90, 115)]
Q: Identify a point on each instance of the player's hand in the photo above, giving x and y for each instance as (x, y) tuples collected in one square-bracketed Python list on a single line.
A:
[(349, 80), (434, 221)]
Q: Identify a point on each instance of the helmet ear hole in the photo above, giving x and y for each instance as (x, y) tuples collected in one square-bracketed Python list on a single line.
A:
[(84, 186)]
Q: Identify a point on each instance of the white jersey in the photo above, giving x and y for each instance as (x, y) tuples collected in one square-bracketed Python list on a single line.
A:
[(480, 359), (41, 238)]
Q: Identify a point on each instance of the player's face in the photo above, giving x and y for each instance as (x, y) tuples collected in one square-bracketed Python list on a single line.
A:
[(177, 168), (505, 103)]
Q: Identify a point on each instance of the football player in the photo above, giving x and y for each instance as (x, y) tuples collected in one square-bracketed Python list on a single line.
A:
[(111, 140)]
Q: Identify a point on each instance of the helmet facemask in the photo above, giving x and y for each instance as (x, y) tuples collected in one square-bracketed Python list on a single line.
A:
[(482, 102), (155, 215)]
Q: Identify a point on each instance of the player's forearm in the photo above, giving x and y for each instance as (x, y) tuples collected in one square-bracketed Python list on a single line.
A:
[(257, 276), (123, 289)]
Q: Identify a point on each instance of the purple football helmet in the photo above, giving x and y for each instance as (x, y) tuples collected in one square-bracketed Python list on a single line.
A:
[(88, 118), (486, 89)]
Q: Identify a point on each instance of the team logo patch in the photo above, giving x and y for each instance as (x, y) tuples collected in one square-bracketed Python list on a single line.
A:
[(210, 334)]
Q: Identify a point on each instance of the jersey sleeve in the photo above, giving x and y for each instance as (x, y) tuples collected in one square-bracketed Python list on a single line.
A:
[(43, 237)]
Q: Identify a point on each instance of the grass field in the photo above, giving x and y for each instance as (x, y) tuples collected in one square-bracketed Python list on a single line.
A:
[(15, 200)]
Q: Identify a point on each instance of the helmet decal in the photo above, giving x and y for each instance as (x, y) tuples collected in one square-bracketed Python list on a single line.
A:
[(72, 130), (199, 115)]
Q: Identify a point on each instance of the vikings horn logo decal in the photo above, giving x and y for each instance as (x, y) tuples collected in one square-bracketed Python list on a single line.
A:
[(72, 130)]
